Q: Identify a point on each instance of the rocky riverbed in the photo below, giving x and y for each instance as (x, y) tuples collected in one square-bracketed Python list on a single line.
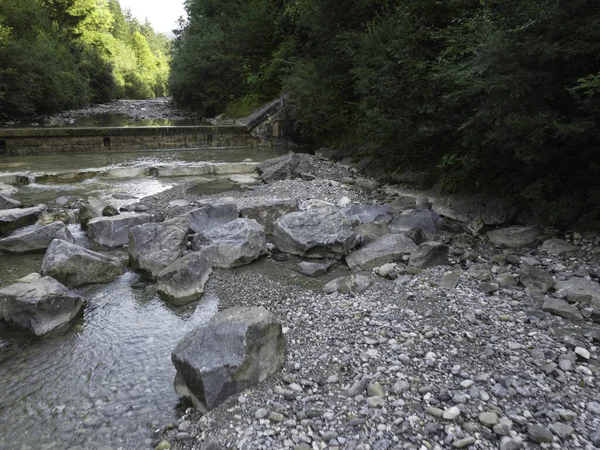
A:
[(472, 339)]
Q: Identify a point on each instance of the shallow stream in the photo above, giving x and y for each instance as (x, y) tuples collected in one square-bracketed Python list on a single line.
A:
[(106, 383)]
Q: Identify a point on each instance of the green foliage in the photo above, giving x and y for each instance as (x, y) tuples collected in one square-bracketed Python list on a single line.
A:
[(58, 54), (501, 96)]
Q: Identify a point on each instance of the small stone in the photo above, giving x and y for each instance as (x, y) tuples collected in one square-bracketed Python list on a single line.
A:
[(163, 445), (582, 352), (593, 407), (567, 415), (539, 434), (595, 438), (276, 417), (375, 389), (435, 412), (375, 402), (562, 430), (461, 443), (467, 383), (451, 413), (508, 443), (488, 288), (261, 413), (450, 279), (400, 386), (488, 419)]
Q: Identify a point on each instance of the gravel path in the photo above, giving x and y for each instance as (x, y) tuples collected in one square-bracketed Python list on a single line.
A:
[(408, 363)]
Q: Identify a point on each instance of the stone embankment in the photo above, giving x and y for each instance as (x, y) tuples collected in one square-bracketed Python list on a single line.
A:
[(354, 315)]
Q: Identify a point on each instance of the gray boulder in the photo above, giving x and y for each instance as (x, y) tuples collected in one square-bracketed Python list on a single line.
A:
[(155, 246), (73, 265), (292, 165), (313, 269), (315, 233), (578, 289), (114, 231), (211, 216), (386, 249), (267, 210), (491, 210), (361, 214), (12, 219), (561, 308), (233, 244), (88, 210), (371, 231), (425, 219), (557, 246), (35, 239), (358, 283), (515, 236), (429, 254), (237, 348), (535, 279), (8, 203), (40, 306), (183, 281)]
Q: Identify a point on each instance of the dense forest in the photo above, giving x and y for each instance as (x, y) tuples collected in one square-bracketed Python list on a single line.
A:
[(495, 96), (61, 54)]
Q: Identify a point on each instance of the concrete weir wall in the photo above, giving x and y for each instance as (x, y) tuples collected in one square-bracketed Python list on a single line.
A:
[(47, 141)]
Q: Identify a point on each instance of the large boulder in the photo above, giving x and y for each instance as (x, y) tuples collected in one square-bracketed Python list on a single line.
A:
[(154, 246), (35, 239), (557, 246), (88, 210), (561, 308), (425, 219), (580, 290), (183, 281), (386, 249), (114, 231), (267, 210), (429, 254), (40, 306), (12, 219), (211, 216), (515, 236), (535, 279), (315, 233), (490, 210), (292, 165), (8, 203), (237, 348), (73, 265), (362, 214), (233, 244)]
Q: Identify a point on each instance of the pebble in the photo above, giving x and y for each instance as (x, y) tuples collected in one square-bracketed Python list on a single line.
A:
[(539, 434), (488, 419), (582, 352), (451, 413)]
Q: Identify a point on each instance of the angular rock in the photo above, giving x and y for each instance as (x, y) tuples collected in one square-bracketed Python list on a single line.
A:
[(313, 269), (536, 280), (429, 254), (73, 265), (292, 165), (211, 216), (371, 231), (491, 210), (362, 214), (557, 246), (506, 279), (88, 210), (109, 211), (561, 308), (183, 281), (425, 219), (40, 306), (29, 278), (450, 279), (515, 236), (233, 244), (35, 239), (235, 349), (267, 210), (11, 219), (8, 203), (114, 231), (577, 288), (154, 246), (315, 233), (345, 285), (539, 434), (386, 249)]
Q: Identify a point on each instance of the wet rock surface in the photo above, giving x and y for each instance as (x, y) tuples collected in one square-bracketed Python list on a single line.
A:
[(35, 239)]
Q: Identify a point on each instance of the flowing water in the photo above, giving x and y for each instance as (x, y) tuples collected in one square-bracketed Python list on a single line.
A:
[(106, 383)]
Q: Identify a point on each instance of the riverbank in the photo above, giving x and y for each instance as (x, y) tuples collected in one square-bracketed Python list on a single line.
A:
[(413, 361)]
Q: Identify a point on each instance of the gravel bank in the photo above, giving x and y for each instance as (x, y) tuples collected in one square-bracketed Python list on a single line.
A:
[(408, 363)]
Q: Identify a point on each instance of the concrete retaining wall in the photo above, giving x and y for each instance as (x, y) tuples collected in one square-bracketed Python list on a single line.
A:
[(47, 141)]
